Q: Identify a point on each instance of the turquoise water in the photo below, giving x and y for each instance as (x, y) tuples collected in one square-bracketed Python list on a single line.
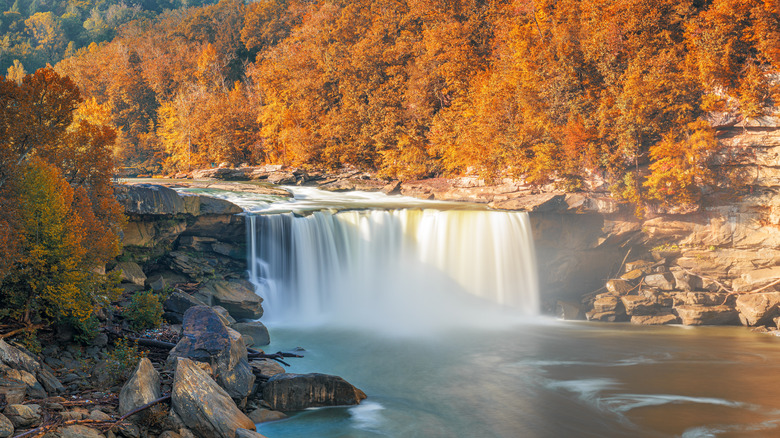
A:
[(542, 379)]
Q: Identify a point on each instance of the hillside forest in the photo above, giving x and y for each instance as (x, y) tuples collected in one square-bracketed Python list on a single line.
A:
[(552, 92)]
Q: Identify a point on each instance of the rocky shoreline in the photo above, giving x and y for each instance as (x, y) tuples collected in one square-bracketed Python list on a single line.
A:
[(200, 374)]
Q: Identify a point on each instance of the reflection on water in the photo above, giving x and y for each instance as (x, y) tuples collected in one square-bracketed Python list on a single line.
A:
[(546, 379)]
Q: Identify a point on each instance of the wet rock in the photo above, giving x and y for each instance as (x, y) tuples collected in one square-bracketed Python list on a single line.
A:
[(281, 178), (707, 315), (293, 392), (255, 329), (638, 305), (130, 272), (663, 281), (217, 206), (263, 415), (6, 427), (619, 286), (142, 387), (238, 297), (149, 199), (758, 309), (78, 431), (22, 416), (206, 408), (205, 338)]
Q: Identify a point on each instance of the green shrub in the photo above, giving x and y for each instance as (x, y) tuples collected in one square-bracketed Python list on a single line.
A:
[(145, 310), (123, 359)]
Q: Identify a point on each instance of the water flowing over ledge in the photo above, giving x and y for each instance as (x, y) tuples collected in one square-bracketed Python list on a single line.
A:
[(378, 267)]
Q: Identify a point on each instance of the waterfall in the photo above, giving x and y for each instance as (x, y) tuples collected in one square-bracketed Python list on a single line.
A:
[(401, 264)]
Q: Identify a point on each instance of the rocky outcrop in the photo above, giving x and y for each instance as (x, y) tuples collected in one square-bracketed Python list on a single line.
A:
[(238, 297), (204, 406), (18, 366), (293, 392), (205, 338), (22, 416), (142, 388), (759, 308), (6, 427)]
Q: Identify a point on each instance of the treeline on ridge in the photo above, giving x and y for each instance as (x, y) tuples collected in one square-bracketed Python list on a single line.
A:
[(546, 90)]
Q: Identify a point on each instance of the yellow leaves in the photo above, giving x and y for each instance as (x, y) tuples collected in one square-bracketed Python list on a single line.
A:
[(679, 166)]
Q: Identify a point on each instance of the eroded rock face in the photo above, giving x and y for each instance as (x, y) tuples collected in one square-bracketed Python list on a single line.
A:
[(142, 388), (293, 392), (205, 338), (204, 406)]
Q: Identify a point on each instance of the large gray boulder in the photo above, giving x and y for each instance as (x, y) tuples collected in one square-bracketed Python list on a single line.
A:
[(294, 392), (177, 303), (142, 388), (205, 338), (254, 330), (758, 309), (238, 297), (206, 409)]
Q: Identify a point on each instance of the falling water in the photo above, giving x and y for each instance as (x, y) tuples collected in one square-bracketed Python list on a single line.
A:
[(371, 267)]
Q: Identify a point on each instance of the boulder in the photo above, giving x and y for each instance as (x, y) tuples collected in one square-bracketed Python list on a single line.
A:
[(18, 359), (663, 281), (700, 298), (707, 315), (633, 275), (603, 316), (142, 199), (78, 431), (638, 305), (203, 405), (281, 178), (687, 282), (205, 338), (619, 286), (758, 309), (294, 392), (238, 297), (142, 387), (264, 415), (608, 303), (177, 303), (643, 266), (256, 330), (224, 315), (217, 206), (6, 427), (22, 416), (545, 202), (34, 389), (350, 184), (130, 272), (192, 266)]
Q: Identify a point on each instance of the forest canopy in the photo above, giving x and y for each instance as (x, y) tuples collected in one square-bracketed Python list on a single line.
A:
[(549, 91)]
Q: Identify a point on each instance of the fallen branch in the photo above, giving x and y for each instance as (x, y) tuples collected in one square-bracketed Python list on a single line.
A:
[(20, 330), (137, 410)]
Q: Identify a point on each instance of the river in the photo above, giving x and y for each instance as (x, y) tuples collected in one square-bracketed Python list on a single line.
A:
[(441, 353)]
